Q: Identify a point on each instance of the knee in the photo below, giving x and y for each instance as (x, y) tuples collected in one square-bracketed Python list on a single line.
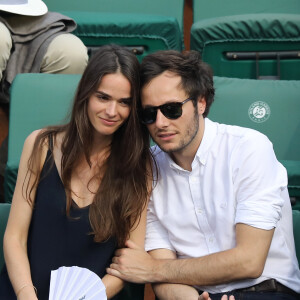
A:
[(65, 54), (5, 47)]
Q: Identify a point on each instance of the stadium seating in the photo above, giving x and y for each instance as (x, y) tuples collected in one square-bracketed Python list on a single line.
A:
[(37, 100), (269, 106), (257, 39), (144, 26), (296, 225), (4, 211)]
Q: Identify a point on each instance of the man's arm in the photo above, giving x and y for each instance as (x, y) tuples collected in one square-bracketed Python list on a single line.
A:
[(171, 291), (165, 291), (246, 260)]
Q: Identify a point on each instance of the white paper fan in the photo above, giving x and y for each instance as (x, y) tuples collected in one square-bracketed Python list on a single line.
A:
[(75, 283)]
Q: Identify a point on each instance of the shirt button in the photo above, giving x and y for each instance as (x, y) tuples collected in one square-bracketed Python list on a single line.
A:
[(211, 239), (199, 210)]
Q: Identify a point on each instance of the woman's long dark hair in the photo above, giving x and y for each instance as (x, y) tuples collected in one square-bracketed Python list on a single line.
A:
[(124, 190)]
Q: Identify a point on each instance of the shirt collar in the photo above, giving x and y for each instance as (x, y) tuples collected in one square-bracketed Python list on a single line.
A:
[(210, 132)]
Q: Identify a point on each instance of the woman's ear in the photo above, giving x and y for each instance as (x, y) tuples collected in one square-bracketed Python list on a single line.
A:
[(201, 105)]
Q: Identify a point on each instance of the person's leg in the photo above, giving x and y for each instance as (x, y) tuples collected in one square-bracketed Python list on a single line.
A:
[(66, 54), (5, 47)]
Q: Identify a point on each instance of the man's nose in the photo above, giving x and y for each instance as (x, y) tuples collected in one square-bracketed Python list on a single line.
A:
[(161, 120)]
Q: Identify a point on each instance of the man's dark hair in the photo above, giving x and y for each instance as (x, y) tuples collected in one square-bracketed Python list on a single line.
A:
[(196, 76)]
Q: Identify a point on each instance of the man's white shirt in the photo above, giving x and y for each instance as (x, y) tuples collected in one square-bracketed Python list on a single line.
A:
[(235, 178)]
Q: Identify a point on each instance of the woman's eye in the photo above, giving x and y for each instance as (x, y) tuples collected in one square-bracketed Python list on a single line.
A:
[(126, 102), (102, 97)]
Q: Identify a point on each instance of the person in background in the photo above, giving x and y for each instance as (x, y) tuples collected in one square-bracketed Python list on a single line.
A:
[(220, 217), (82, 187), (34, 40)]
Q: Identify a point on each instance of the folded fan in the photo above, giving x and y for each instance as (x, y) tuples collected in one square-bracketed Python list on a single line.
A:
[(75, 283)]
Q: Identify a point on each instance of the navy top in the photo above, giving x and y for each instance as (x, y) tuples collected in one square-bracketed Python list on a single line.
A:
[(56, 240)]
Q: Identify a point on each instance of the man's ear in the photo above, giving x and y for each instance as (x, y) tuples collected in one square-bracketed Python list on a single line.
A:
[(201, 105)]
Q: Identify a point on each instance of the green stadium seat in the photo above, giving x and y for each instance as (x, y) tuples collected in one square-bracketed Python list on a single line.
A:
[(296, 225), (257, 39), (37, 100), (143, 26), (269, 106), (4, 212), (204, 9)]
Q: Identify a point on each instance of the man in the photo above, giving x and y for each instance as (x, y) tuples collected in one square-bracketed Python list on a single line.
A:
[(219, 217)]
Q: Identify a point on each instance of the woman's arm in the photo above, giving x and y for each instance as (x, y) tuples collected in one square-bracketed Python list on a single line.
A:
[(137, 235), (15, 237)]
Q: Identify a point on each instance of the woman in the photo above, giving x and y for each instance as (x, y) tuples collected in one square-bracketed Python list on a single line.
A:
[(82, 188)]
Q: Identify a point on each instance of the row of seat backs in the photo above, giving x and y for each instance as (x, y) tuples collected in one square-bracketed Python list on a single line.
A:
[(271, 107), (167, 8), (144, 26), (248, 39), (135, 291), (239, 38), (204, 9)]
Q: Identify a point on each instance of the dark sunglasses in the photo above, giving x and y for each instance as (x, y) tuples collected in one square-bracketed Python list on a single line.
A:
[(172, 110)]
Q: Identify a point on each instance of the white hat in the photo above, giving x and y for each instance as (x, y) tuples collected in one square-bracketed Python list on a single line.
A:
[(24, 7)]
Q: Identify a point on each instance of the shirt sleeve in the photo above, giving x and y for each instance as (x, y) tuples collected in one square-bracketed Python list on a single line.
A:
[(156, 234), (259, 182)]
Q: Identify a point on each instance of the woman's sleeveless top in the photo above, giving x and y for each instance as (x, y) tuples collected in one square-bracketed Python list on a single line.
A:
[(56, 240)]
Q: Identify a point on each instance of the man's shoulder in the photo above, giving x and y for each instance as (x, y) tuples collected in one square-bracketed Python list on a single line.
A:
[(243, 142), (239, 133)]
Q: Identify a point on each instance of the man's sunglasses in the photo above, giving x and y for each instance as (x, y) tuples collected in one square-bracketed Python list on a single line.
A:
[(172, 110)]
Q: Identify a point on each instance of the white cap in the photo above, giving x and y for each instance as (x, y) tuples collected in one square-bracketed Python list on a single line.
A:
[(24, 7)]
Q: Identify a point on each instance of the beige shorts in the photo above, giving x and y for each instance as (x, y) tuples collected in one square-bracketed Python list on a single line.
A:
[(66, 54)]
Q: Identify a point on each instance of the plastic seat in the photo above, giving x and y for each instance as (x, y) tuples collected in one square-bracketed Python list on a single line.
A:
[(296, 226), (249, 39), (37, 100), (269, 106), (143, 26), (4, 212)]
